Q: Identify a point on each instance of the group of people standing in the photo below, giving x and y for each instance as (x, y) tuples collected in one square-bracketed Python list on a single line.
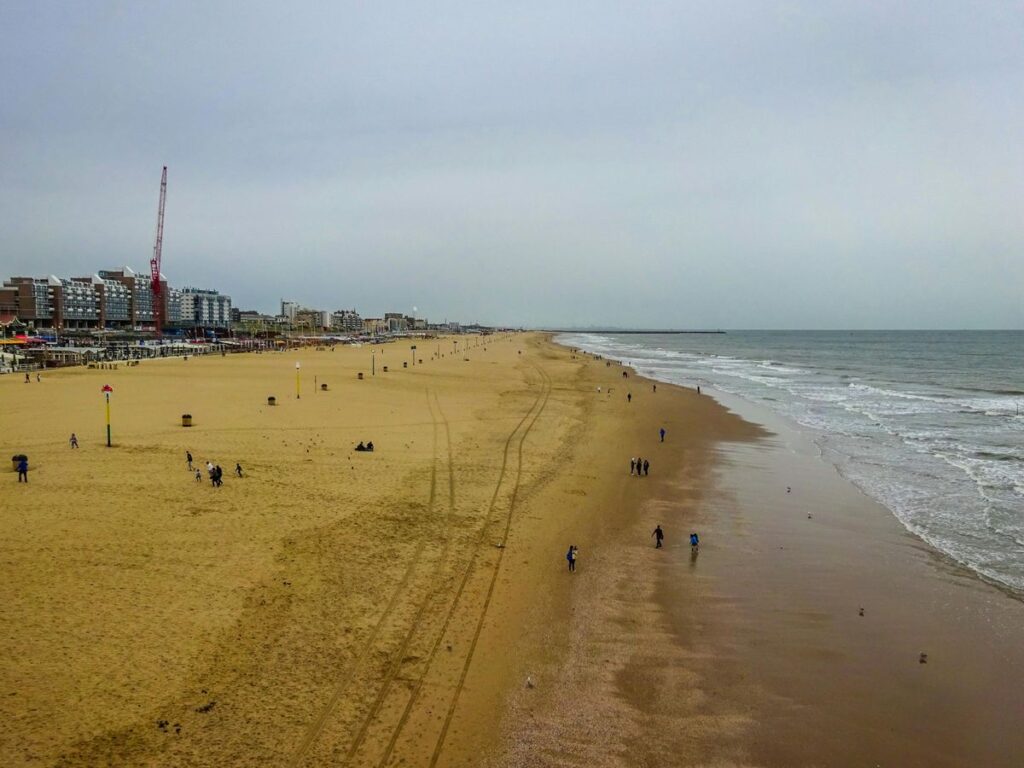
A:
[(639, 467), (213, 471)]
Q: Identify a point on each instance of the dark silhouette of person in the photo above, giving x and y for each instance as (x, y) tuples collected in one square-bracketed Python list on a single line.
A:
[(662, 432), (629, 397), (188, 458), (571, 557), (694, 541), (238, 469), (23, 469), (658, 535), (369, 446), (74, 440), (360, 447), (647, 467)]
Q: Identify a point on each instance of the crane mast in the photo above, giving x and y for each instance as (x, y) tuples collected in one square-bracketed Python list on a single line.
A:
[(159, 300)]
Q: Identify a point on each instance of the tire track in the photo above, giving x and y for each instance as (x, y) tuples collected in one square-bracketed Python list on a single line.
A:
[(317, 727), (546, 391), (533, 410), (396, 662)]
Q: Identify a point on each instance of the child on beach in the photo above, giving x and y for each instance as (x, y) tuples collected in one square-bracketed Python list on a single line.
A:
[(238, 470), (694, 541), (74, 440), (199, 475)]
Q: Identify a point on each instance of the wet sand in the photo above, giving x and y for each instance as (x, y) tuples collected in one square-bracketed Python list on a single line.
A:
[(753, 651)]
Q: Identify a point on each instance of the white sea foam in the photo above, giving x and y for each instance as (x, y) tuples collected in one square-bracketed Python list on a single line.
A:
[(937, 447)]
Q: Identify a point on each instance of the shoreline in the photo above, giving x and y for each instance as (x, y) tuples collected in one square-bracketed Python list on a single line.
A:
[(774, 634)]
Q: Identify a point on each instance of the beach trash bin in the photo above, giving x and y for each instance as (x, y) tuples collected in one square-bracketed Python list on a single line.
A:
[(323, 387), (271, 400), (405, 363), (385, 369), (359, 375), (186, 419), (16, 460)]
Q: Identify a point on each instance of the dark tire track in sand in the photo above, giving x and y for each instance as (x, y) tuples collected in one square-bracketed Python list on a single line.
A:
[(395, 667), (545, 393), (541, 399), (317, 727)]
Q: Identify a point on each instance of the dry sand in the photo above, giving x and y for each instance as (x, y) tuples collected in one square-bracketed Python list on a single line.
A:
[(334, 607)]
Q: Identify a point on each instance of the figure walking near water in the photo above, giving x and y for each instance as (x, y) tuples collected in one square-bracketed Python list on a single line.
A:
[(629, 397), (658, 535), (571, 557)]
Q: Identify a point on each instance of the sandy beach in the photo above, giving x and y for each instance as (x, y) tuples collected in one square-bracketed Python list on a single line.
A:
[(373, 609)]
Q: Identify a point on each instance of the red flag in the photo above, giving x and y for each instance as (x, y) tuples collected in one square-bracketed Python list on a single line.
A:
[(107, 388)]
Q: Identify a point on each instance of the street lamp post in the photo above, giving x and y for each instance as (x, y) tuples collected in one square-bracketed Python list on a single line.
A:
[(298, 391), (413, 354)]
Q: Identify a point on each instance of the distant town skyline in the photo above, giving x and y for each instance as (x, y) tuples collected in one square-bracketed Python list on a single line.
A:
[(682, 165)]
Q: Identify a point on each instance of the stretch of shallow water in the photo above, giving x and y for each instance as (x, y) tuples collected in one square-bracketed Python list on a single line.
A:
[(929, 423)]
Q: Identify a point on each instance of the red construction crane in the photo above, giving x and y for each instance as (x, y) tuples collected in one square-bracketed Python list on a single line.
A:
[(159, 300)]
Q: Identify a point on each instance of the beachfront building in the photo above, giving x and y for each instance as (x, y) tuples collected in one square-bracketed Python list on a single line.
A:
[(140, 292), (75, 304), (347, 320), (31, 297), (173, 304), (289, 310), (375, 326), (397, 322), (205, 307)]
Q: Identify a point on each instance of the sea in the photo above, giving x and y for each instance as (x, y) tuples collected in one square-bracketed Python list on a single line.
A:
[(929, 423)]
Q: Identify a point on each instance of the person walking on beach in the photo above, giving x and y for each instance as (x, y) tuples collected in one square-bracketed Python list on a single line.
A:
[(632, 466), (238, 470), (74, 440), (694, 542), (571, 557), (22, 470), (199, 475), (658, 535), (219, 476), (188, 458), (629, 397), (639, 467), (647, 467), (662, 433), (655, 388), (698, 389)]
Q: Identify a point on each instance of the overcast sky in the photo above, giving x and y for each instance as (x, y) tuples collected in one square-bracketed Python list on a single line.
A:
[(683, 164)]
